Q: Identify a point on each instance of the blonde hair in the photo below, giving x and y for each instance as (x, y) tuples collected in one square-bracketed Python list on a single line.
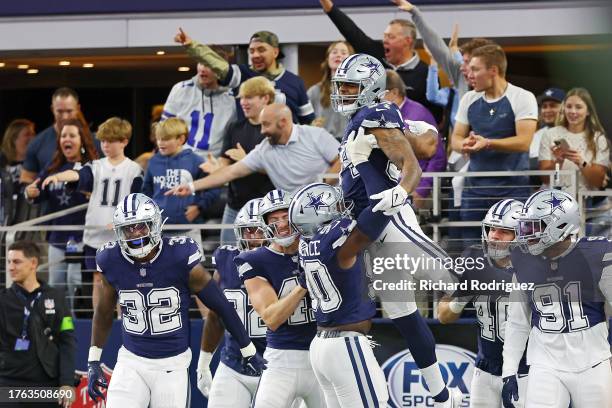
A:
[(493, 56), (172, 128), (325, 82), (592, 125), (257, 86), (10, 135), (114, 130)]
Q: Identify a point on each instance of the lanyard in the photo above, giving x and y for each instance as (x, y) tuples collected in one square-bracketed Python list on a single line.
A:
[(27, 311)]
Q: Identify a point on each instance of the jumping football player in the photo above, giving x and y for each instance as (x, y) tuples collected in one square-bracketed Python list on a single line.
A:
[(153, 279), (357, 89)]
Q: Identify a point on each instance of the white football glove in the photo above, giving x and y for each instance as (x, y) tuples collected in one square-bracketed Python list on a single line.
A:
[(391, 200), (204, 373), (359, 146)]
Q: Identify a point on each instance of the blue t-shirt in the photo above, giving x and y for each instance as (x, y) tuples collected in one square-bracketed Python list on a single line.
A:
[(496, 119), (382, 115), (154, 296), (235, 292), (280, 270), (339, 296), (40, 150), (491, 307)]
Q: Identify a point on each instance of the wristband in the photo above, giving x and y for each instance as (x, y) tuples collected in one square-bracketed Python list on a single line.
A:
[(488, 146), (205, 359), (248, 351), (456, 306), (191, 187), (95, 353)]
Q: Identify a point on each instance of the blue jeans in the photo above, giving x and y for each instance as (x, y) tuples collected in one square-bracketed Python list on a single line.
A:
[(227, 234)]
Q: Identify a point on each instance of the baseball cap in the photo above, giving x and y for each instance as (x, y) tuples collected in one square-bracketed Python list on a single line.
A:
[(267, 37), (552, 94)]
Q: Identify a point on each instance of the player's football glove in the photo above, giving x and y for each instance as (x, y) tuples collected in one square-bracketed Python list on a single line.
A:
[(95, 380), (203, 372), (510, 391), (252, 362), (359, 146), (391, 200)]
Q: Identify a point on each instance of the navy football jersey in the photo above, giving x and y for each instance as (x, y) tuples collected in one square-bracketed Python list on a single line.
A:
[(339, 296), (565, 295), (491, 308), (154, 296), (280, 270), (233, 288), (381, 115)]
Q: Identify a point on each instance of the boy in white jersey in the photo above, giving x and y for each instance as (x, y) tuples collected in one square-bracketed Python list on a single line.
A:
[(108, 180)]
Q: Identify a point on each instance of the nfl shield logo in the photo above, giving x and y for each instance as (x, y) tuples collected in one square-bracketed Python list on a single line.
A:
[(143, 272), (49, 304)]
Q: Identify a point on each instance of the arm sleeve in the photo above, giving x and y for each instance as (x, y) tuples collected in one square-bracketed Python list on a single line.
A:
[(372, 223), (354, 35), (171, 107), (147, 184), (434, 93), (137, 184), (439, 50), (205, 55), (86, 178), (602, 156), (516, 332), (305, 109), (462, 109), (67, 347), (545, 144), (326, 144), (526, 106), (254, 160)]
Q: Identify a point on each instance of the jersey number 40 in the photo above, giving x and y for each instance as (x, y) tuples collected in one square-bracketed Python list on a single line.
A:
[(158, 312)]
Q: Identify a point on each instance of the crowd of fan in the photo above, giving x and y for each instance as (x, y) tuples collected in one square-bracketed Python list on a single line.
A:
[(255, 127)]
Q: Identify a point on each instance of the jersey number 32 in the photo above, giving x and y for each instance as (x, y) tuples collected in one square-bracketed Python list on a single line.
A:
[(157, 312)]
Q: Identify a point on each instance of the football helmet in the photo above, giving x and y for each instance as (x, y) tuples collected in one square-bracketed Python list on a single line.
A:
[(504, 215), (548, 216), (315, 205), (137, 223), (248, 220), (362, 70), (273, 201)]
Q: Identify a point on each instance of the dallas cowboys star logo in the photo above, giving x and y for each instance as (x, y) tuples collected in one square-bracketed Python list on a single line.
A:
[(64, 199), (382, 122), (372, 66), (316, 202), (548, 93), (555, 202)]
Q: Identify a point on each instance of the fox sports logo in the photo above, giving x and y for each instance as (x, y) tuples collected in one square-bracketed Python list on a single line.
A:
[(407, 387)]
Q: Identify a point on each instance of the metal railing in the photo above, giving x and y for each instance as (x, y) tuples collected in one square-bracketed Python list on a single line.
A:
[(434, 221)]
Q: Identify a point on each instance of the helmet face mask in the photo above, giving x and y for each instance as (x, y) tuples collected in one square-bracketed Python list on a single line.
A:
[(248, 228), (138, 225), (364, 71), (503, 217)]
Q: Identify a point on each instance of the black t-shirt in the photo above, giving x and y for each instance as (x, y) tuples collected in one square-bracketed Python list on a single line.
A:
[(255, 185)]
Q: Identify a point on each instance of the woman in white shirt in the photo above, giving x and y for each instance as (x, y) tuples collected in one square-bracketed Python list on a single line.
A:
[(577, 142)]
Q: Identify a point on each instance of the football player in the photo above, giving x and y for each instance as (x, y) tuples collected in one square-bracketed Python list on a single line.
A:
[(561, 312), (271, 277), (331, 254), (233, 386), (492, 264), (153, 279), (357, 88)]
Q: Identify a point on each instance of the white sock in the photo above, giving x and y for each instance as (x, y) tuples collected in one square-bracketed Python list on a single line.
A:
[(433, 377)]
